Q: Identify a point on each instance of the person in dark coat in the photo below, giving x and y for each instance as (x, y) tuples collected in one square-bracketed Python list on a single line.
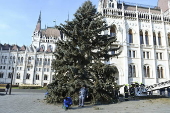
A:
[(132, 92), (126, 93), (7, 88)]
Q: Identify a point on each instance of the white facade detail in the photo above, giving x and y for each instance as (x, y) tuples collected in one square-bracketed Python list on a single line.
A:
[(143, 32)]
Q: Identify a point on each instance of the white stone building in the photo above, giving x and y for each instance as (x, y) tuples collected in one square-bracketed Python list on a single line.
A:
[(32, 65), (143, 31)]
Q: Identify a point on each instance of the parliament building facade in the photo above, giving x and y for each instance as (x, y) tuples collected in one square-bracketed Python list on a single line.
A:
[(143, 31)]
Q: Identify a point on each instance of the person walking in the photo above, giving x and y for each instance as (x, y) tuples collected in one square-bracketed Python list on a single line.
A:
[(132, 91), (7, 88), (83, 93), (126, 92)]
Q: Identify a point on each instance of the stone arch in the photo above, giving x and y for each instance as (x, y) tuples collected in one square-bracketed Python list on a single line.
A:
[(119, 74)]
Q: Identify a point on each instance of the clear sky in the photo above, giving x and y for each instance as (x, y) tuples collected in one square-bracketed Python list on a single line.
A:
[(18, 18)]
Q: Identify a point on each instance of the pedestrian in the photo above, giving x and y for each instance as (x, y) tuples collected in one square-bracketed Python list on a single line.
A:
[(168, 90), (163, 91), (7, 87), (126, 93), (132, 91), (116, 94), (83, 93)]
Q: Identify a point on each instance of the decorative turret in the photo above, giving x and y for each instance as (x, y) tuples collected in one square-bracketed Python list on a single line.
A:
[(37, 30), (106, 4), (37, 33)]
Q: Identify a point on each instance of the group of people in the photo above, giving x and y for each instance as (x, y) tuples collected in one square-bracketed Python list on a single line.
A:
[(131, 90), (83, 94), (162, 91)]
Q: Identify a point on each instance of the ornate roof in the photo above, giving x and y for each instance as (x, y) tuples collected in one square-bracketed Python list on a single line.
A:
[(163, 4), (50, 32)]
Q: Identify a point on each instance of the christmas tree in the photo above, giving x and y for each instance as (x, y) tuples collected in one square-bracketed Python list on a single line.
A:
[(79, 59)]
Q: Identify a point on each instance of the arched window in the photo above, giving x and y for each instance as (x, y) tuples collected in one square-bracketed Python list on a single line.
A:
[(132, 70), (48, 62), (45, 77), (141, 37), (112, 5), (146, 38), (18, 75), (45, 61), (28, 76), (168, 39), (40, 62), (1, 75), (13, 59), (113, 31), (130, 36), (147, 71), (160, 72), (109, 4), (51, 47), (159, 39), (29, 60), (37, 77), (9, 75), (154, 38), (19, 60), (43, 47), (22, 60)]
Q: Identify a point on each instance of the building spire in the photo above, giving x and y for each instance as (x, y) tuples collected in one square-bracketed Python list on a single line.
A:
[(38, 26), (39, 19)]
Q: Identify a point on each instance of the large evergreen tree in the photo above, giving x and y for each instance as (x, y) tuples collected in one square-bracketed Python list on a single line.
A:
[(80, 58)]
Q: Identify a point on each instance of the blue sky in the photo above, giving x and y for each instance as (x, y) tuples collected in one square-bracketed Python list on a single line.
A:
[(18, 18)]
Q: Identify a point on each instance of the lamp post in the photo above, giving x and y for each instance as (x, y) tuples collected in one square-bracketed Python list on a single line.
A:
[(11, 80)]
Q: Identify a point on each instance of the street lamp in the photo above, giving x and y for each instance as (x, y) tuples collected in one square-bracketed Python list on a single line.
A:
[(11, 80)]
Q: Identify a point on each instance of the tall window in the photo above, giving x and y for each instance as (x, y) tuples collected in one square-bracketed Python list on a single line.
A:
[(18, 75), (132, 54), (154, 38), (1, 75), (22, 60), (37, 77), (146, 38), (132, 70), (19, 61), (13, 59), (48, 62), (113, 31), (29, 60), (28, 76), (160, 72), (40, 62), (9, 75), (141, 37), (168, 39), (130, 36), (159, 38), (146, 70), (45, 61), (45, 77)]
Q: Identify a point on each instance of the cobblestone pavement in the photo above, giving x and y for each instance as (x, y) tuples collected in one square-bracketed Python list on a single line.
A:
[(32, 101)]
